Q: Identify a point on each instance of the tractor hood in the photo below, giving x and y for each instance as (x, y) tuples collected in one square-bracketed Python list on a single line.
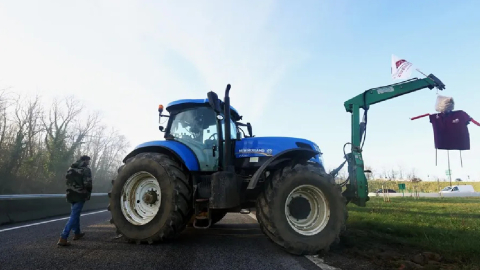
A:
[(270, 146)]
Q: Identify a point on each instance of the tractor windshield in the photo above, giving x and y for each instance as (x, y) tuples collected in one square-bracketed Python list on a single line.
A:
[(194, 125), (197, 128)]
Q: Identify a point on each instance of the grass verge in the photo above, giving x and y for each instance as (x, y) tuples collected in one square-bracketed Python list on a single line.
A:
[(405, 227), (425, 186)]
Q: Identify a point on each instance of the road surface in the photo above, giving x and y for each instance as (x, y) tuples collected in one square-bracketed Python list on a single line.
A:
[(234, 243)]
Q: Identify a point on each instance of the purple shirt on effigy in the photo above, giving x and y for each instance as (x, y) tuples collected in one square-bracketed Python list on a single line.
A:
[(450, 130)]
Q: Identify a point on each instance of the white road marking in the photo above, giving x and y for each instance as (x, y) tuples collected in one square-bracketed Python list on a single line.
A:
[(48, 221), (313, 258), (320, 263)]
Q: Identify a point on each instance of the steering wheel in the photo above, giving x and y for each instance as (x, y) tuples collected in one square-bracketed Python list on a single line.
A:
[(215, 134)]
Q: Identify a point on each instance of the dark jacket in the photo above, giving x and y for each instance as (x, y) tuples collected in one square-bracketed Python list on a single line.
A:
[(78, 182)]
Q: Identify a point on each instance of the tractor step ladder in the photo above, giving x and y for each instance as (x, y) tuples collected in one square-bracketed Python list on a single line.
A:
[(200, 214)]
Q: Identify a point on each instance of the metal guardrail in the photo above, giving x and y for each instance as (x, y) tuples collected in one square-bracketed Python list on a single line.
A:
[(30, 196), (26, 207)]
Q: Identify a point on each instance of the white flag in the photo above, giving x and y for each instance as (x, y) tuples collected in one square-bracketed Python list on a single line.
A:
[(401, 69)]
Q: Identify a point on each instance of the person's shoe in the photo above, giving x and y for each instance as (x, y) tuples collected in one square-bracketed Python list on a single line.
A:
[(63, 242), (78, 236)]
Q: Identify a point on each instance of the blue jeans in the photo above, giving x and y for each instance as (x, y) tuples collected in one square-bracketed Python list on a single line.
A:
[(74, 220)]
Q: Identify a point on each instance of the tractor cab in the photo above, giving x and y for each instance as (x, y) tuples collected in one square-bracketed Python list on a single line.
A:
[(194, 123)]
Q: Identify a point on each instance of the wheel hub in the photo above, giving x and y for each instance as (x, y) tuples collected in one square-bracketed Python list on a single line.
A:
[(141, 198), (150, 197), (307, 210), (299, 207)]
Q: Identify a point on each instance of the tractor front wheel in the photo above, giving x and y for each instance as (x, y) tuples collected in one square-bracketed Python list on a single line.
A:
[(150, 199), (301, 210)]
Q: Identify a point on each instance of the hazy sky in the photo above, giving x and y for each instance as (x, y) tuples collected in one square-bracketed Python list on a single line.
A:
[(291, 65)]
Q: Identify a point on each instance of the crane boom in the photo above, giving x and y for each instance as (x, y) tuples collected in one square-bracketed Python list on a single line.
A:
[(357, 188)]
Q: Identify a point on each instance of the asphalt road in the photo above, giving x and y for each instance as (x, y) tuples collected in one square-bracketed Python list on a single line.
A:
[(234, 243)]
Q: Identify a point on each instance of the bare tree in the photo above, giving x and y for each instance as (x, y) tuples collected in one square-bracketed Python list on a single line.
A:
[(412, 174), (29, 116), (5, 103), (384, 174), (392, 174), (37, 145), (401, 172), (107, 148), (65, 131), (32, 115)]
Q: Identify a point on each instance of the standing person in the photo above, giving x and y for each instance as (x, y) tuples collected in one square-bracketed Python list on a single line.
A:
[(79, 189)]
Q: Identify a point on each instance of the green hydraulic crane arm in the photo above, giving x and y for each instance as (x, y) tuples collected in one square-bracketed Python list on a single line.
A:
[(357, 188)]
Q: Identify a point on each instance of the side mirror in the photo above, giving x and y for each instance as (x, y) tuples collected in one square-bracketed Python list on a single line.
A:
[(213, 101)]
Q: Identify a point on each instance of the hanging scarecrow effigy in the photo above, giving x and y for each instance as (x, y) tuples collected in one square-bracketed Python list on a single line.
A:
[(450, 128)]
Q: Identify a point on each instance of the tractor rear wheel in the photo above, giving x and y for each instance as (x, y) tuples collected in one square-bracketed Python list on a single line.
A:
[(301, 209), (151, 198)]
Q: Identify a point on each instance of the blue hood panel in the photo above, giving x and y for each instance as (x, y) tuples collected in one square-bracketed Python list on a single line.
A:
[(270, 146)]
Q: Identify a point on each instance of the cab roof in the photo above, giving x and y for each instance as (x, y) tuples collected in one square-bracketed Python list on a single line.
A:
[(186, 103)]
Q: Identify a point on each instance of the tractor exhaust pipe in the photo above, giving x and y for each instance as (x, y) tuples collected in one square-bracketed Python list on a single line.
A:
[(228, 141), (225, 189)]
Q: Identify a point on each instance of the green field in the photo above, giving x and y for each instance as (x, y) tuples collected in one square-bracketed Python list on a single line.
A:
[(427, 187), (405, 226)]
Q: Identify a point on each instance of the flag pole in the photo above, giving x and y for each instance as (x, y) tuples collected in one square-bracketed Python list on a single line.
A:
[(421, 72), (424, 75)]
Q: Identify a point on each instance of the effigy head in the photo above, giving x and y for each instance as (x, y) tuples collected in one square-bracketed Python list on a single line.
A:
[(444, 104)]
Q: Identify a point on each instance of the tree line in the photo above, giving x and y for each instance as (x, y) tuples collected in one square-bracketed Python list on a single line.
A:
[(38, 143)]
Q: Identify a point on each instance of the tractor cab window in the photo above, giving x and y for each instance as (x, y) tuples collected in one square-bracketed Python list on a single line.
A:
[(195, 126), (197, 129)]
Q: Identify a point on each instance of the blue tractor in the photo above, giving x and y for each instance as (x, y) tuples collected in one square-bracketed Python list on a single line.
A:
[(205, 168)]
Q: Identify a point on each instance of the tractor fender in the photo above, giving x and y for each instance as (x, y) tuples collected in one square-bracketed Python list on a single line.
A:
[(176, 149), (295, 154)]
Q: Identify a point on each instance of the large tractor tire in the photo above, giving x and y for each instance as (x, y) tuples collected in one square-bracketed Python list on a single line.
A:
[(301, 209), (151, 198)]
